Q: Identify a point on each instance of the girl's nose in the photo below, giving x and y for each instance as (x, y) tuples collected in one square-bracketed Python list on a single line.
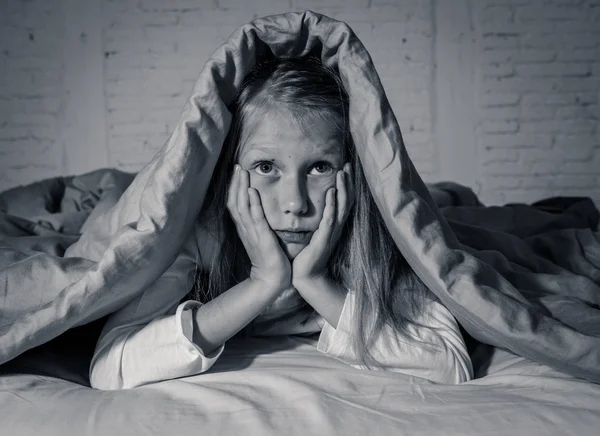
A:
[(294, 197)]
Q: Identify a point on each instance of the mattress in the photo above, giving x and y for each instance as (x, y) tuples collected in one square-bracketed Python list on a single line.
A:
[(285, 386)]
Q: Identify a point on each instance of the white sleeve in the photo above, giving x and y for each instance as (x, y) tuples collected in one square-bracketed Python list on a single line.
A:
[(150, 339), (445, 361), (161, 350)]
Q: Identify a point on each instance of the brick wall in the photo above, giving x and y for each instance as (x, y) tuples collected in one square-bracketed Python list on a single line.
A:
[(31, 91), (539, 89), (499, 95)]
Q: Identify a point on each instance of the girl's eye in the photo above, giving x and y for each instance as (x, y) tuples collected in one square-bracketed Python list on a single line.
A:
[(322, 168), (264, 168)]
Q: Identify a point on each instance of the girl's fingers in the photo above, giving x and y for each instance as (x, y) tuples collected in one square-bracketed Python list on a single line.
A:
[(349, 186), (342, 196), (243, 201), (253, 215), (323, 234), (329, 211), (256, 210), (232, 195)]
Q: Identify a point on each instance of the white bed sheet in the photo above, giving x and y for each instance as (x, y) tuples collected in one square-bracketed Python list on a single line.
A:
[(284, 386)]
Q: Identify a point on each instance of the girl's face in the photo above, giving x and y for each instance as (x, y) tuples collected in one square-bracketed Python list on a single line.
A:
[(292, 171)]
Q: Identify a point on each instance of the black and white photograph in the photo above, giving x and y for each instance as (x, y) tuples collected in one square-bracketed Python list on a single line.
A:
[(299, 217)]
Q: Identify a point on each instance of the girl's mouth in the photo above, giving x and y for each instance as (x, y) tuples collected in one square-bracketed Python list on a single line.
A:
[(293, 237)]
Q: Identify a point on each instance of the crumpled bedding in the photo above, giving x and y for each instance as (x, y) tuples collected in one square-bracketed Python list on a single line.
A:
[(526, 279), (47, 216), (283, 385)]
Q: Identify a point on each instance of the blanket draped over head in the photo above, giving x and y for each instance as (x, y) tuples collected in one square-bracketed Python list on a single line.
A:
[(536, 293)]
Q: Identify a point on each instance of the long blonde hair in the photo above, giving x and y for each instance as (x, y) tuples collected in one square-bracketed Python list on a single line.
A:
[(366, 258)]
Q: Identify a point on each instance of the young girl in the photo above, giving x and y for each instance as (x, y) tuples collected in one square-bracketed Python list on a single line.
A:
[(298, 247)]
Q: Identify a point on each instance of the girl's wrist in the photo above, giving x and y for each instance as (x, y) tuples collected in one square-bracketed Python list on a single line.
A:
[(324, 295), (273, 288), (305, 282)]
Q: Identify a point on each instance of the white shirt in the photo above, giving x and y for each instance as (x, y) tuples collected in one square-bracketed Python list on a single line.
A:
[(163, 349), (150, 339)]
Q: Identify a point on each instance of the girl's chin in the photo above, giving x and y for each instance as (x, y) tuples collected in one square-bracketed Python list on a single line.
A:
[(292, 249)]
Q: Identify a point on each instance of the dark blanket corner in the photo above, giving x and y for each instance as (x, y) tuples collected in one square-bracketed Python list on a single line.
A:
[(66, 357)]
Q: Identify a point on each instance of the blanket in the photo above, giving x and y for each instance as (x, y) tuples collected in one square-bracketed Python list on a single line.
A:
[(524, 278), (47, 217)]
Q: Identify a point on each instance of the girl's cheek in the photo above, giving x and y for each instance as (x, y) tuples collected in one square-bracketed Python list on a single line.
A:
[(260, 182), (318, 194)]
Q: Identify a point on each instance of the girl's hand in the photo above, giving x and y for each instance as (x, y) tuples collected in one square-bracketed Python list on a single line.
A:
[(269, 263), (311, 262)]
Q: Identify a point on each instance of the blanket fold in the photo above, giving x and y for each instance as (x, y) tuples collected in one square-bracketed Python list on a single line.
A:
[(524, 278)]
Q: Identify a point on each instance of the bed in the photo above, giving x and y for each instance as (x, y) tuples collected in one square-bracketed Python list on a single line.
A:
[(284, 385), (278, 385)]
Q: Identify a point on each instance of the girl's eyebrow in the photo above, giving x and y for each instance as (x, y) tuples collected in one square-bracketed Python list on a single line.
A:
[(263, 155), (256, 147), (330, 149)]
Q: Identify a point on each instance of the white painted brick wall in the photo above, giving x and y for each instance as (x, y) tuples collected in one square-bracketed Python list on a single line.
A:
[(31, 93), (539, 90), (533, 95)]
